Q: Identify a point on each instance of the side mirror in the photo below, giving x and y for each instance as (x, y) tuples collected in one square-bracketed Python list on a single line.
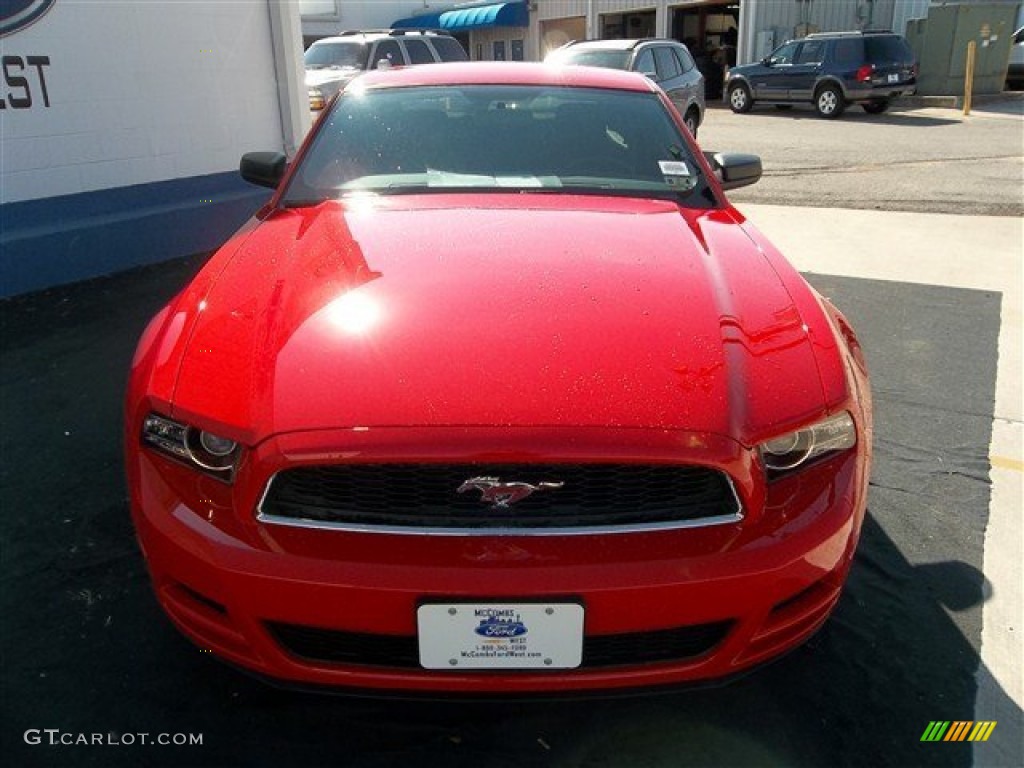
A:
[(735, 170), (766, 61), (651, 75), (265, 169)]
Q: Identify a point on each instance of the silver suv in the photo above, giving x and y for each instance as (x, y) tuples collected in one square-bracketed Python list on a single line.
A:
[(666, 62), (333, 61)]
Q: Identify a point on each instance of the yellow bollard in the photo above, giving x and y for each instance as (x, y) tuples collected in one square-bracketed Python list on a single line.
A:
[(969, 76)]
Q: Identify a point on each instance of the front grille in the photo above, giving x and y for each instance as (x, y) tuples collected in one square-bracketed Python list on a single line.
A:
[(402, 652), (426, 496)]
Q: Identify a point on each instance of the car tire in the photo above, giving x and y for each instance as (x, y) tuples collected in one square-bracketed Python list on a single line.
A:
[(875, 107), (692, 120), (829, 102), (740, 99)]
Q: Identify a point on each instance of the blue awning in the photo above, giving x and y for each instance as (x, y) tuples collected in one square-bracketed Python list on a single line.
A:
[(476, 17)]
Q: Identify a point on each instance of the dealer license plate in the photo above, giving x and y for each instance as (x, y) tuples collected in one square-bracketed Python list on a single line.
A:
[(500, 635), (894, 78)]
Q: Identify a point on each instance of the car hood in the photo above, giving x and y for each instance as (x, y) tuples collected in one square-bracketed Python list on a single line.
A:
[(498, 310), (745, 69), (318, 77)]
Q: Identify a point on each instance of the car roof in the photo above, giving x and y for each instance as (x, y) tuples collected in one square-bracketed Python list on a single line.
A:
[(370, 35), (506, 73), (854, 33), (624, 45)]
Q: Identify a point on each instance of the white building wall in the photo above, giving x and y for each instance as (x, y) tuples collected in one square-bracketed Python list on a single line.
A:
[(485, 39), (329, 17), (591, 10), (761, 21), (558, 9), (139, 92)]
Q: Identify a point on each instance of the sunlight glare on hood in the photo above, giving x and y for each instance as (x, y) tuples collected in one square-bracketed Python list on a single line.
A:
[(354, 313)]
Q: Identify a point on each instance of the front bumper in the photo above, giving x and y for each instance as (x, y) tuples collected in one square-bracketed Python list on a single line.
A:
[(768, 583)]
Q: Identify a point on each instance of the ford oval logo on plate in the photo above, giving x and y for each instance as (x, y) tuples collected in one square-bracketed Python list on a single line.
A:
[(495, 626), (18, 14), (500, 635)]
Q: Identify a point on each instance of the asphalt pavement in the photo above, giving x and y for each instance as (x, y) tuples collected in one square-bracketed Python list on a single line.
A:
[(87, 651), (924, 159)]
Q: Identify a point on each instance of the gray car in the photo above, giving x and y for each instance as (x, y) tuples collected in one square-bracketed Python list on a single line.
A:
[(666, 62), (1015, 66)]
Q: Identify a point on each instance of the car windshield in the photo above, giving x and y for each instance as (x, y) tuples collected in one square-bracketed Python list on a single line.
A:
[(609, 58), (346, 55), (497, 138)]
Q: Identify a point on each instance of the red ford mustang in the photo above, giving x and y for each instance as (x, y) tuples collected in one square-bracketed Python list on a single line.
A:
[(498, 394)]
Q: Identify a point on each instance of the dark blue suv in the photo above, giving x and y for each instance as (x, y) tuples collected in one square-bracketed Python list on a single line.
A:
[(829, 70)]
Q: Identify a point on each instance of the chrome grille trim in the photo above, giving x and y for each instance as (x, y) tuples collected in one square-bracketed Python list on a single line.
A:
[(731, 518)]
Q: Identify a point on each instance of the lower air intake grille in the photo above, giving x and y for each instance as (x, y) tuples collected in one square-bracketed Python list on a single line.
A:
[(398, 651)]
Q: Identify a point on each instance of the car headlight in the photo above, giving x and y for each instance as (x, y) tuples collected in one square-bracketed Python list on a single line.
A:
[(786, 453), (316, 99), (210, 453)]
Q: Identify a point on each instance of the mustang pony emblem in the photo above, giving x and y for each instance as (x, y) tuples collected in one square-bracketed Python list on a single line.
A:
[(502, 495)]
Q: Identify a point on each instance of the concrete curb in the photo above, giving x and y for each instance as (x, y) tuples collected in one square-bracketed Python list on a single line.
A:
[(956, 102)]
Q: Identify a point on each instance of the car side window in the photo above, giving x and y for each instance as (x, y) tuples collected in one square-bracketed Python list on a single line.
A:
[(668, 65), (685, 59), (645, 63), (850, 52), (387, 49), (449, 49), (419, 52), (887, 49), (811, 52), (783, 55)]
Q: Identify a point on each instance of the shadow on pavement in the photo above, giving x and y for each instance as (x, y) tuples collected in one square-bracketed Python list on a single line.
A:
[(86, 650), (853, 113)]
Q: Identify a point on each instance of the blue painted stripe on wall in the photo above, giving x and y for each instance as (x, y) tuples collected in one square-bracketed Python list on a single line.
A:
[(63, 239)]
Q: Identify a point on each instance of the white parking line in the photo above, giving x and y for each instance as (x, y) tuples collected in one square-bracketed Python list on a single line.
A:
[(975, 252)]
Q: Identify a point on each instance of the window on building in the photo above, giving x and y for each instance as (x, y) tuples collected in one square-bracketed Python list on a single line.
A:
[(499, 50), (517, 50)]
